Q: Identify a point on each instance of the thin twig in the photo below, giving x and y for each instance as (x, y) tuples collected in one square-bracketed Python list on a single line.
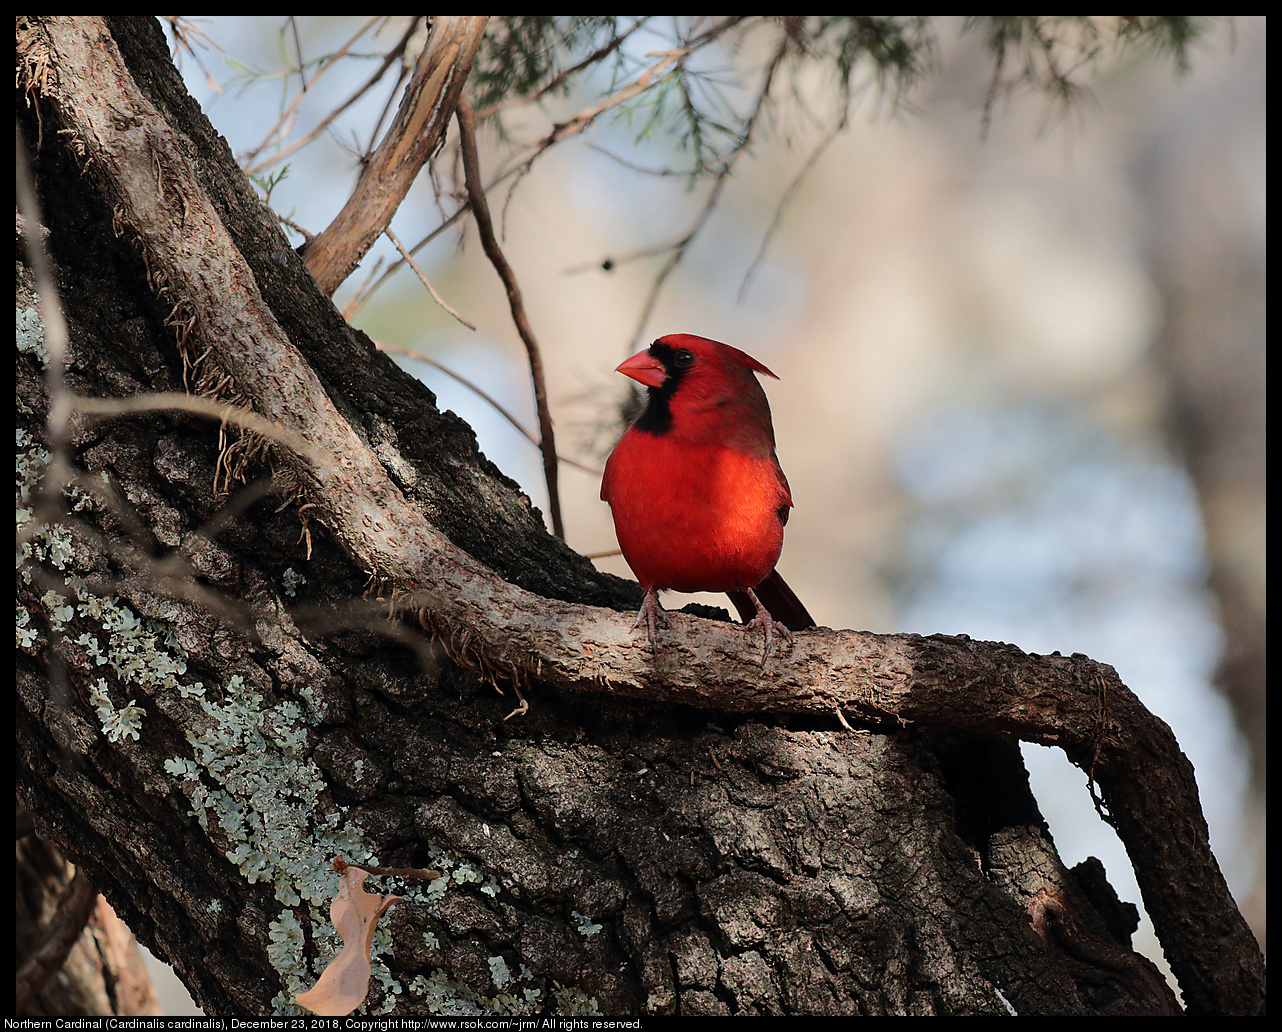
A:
[(325, 65), (784, 201), (714, 194), (648, 79), (365, 293), (561, 77), (180, 26), (481, 209), (425, 281), (572, 126), (480, 393), (632, 166)]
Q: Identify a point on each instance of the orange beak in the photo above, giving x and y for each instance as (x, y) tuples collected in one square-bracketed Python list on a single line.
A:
[(644, 368)]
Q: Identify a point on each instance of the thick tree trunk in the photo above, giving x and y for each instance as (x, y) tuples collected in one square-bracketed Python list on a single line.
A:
[(208, 711)]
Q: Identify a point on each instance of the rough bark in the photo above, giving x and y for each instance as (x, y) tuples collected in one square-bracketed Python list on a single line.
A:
[(636, 842)]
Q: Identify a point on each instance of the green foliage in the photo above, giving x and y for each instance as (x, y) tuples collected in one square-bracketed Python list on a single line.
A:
[(1168, 36), (1050, 55), (520, 53), (688, 105), (897, 51), (267, 182), (702, 81)]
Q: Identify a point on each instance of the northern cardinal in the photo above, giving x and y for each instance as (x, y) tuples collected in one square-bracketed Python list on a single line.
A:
[(698, 498)]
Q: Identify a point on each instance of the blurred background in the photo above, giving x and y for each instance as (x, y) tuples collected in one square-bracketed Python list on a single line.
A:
[(1021, 358)]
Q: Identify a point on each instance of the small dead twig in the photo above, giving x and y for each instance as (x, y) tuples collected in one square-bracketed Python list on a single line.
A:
[(481, 210), (710, 203), (423, 279)]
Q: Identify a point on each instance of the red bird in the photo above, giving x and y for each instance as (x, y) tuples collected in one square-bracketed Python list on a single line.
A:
[(698, 498)]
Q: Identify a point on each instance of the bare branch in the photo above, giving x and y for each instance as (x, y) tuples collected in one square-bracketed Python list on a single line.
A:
[(392, 56), (1072, 703), (524, 159), (648, 79), (279, 127), (481, 209), (481, 393), (415, 134), (423, 279), (235, 328)]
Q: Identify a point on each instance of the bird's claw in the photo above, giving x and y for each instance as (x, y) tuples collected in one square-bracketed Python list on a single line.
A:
[(768, 624), (652, 613)]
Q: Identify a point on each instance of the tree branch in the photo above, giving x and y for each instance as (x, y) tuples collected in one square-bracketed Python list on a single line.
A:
[(415, 135), (1072, 703), (219, 312), (481, 209), (279, 127)]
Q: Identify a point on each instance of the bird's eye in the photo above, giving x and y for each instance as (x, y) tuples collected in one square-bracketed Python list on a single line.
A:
[(683, 359)]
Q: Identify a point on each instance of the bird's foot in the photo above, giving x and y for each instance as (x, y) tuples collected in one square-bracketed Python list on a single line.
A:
[(652, 613), (767, 623)]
